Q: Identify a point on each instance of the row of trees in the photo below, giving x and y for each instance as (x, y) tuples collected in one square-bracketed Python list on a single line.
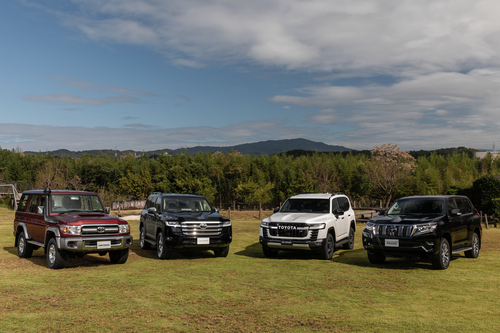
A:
[(232, 177)]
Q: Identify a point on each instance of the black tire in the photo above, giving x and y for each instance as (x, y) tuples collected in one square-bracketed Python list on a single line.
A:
[(118, 256), (474, 252), (142, 240), (442, 259), (376, 258), (162, 249), (24, 249), (328, 248), (222, 251), (268, 252), (350, 244), (55, 258)]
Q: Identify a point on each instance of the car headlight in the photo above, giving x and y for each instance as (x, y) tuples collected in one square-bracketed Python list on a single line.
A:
[(264, 224), (71, 229), (372, 227), (226, 223), (172, 224), (123, 228), (316, 226), (424, 228)]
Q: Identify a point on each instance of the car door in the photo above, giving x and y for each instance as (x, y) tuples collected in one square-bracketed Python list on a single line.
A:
[(156, 218), (35, 221), (340, 230), (148, 218), (469, 220), (460, 227)]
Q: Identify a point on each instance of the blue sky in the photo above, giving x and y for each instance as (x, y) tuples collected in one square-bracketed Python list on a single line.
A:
[(155, 74)]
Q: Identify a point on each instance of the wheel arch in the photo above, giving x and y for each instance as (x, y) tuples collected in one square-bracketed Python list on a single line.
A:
[(447, 236), (331, 230), (52, 232), (21, 227)]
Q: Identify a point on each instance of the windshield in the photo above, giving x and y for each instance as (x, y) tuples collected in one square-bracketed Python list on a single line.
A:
[(306, 206), (63, 203), (421, 206), (185, 204)]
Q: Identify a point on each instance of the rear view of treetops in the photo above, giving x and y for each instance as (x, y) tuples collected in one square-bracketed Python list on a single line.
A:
[(380, 176)]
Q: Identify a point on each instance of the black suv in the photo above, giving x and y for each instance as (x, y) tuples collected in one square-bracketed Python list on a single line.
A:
[(433, 227), (176, 222)]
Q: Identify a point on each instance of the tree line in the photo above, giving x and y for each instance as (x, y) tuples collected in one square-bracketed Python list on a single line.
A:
[(224, 178)]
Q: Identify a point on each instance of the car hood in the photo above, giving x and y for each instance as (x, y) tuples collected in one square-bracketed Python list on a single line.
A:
[(195, 217), (87, 218), (405, 219), (298, 217)]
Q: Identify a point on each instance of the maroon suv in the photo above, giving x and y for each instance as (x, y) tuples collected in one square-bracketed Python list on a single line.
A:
[(69, 223)]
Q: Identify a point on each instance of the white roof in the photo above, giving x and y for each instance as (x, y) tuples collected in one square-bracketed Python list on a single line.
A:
[(315, 195)]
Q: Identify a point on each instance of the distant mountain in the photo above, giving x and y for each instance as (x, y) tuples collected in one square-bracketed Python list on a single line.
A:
[(257, 148), (269, 147)]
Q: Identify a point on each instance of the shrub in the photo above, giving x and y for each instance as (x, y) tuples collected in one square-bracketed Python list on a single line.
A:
[(484, 190)]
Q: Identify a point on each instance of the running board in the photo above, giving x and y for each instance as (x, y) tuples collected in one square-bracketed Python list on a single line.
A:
[(35, 243), (152, 242), (345, 240), (462, 249)]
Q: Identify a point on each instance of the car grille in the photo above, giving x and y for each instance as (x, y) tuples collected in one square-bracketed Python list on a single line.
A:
[(394, 230), (96, 229), (298, 230), (201, 228), (114, 242)]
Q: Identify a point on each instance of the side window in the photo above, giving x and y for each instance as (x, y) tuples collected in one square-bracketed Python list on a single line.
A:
[(23, 202), (40, 205), (344, 204), (335, 205), (451, 205), (464, 205), (469, 206), (158, 204), (33, 204), (150, 202)]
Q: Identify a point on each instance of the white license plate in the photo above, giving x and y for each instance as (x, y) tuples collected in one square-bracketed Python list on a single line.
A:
[(103, 245), (392, 242), (203, 241)]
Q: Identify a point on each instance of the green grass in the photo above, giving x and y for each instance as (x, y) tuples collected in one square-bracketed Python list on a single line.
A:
[(246, 292)]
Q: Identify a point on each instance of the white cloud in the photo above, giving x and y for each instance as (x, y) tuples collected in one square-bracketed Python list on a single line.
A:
[(91, 86), (397, 37), (145, 137), (74, 99)]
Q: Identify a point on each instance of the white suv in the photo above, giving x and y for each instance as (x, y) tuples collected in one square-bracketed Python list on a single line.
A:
[(319, 222)]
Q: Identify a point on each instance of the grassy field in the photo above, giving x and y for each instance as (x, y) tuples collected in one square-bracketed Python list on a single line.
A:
[(246, 292)]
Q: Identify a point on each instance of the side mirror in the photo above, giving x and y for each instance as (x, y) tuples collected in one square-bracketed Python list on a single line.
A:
[(216, 210), (381, 212), (152, 210), (455, 212), (107, 210), (275, 210), (339, 212), (40, 209)]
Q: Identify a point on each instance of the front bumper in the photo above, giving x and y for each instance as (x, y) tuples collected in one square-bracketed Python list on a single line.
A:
[(292, 244), (94, 244), (426, 245), (180, 242)]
